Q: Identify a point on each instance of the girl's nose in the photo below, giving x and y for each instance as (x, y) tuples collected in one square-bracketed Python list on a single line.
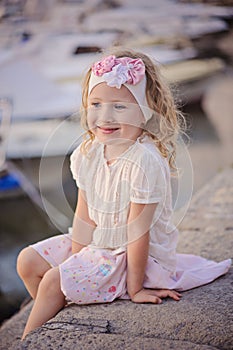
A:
[(105, 114)]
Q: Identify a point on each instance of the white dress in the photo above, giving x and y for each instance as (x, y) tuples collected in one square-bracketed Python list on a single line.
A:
[(139, 175)]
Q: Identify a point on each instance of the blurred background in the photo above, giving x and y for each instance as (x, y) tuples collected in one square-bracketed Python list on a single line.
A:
[(45, 47)]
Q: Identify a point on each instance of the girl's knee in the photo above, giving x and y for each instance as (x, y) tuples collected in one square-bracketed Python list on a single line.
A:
[(29, 262), (50, 283), (24, 261)]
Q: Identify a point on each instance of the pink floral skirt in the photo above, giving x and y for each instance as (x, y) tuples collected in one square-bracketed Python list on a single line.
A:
[(96, 275)]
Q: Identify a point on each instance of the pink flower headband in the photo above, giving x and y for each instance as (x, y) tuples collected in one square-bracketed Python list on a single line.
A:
[(122, 71), (118, 71)]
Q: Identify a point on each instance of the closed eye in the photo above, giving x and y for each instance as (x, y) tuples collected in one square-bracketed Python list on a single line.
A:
[(119, 106), (95, 104)]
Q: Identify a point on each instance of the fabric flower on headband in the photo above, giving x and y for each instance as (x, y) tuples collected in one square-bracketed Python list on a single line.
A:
[(118, 71)]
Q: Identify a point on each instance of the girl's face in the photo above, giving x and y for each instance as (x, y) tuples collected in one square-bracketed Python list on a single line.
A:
[(113, 114)]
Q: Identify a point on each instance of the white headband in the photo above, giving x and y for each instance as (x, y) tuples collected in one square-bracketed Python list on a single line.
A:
[(123, 71)]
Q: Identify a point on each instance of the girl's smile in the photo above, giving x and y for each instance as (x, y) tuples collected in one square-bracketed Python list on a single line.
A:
[(105, 129)]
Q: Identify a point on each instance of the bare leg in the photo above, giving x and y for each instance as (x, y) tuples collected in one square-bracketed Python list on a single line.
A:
[(48, 302), (31, 267)]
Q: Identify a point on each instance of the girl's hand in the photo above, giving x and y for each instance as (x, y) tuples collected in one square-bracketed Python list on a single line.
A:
[(154, 295)]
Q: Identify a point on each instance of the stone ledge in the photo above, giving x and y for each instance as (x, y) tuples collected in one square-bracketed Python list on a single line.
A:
[(201, 320)]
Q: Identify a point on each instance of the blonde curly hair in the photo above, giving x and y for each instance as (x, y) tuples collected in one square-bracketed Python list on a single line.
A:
[(166, 123)]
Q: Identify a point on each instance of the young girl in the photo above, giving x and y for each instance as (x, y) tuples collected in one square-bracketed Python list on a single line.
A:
[(123, 244)]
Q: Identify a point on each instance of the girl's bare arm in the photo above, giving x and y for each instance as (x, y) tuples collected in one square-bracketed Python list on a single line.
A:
[(83, 226), (139, 222)]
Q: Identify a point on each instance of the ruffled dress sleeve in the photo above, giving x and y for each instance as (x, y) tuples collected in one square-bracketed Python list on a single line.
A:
[(148, 179), (77, 167)]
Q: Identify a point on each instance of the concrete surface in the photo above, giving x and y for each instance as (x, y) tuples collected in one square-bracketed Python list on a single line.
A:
[(201, 320)]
